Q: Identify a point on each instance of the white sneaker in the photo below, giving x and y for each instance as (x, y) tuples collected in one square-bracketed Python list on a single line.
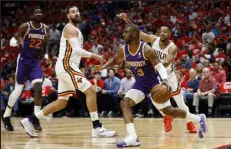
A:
[(128, 141), (102, 132), (29, 127)]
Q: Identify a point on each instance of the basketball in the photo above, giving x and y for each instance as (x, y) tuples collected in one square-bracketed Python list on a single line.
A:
[(160, 93)]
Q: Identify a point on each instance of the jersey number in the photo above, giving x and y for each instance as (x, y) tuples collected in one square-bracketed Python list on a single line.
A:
[(140, 72), (35, 43)]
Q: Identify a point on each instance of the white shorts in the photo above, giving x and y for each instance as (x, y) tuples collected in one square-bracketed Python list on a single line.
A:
[(135, 95), (173, 82), (70, 79)]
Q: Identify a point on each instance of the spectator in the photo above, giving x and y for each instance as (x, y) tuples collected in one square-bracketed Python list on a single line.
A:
[(96, 48), (192, 85), (54, 35), (126, 83), (218, 73), (116, 69), (206, 90), (199, 68), (208, 36), (8, 89), (111, 88)]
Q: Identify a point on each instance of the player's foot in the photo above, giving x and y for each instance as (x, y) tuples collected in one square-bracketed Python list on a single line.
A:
[(102, 132), (167, 123), (29, 127), (7, 124), (37, 126), (128, 141), (191, 127), (203, 126)]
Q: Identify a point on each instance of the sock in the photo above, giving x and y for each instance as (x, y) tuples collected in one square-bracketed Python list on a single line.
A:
[(95, 120), (192, 117), (37, 109), (131, 129), (7, 112), (39, 114)]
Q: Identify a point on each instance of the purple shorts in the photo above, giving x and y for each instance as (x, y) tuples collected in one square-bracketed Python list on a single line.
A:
[(28, 68), (145, 86)]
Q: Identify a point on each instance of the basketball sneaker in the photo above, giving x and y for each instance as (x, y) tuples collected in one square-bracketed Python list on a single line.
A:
[(167, 123), (37, 126), (129, 141), (102, 132), (203, 126), (29, 127), (191, 127), (7, 123)]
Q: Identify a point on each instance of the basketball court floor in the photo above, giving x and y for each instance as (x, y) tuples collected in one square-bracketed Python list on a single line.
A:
[(75, 133)]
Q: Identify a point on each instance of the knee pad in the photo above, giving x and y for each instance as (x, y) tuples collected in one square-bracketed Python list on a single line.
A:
[(18, 89)]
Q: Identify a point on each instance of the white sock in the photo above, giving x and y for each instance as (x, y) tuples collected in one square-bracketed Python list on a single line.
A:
[(192, 117), (94, 116), (131, 129), (37, 109), (7, 112), (39, 114)]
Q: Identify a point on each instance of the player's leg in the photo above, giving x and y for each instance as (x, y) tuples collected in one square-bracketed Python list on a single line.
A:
[(85, 86), (36, 77), (21, 73), (167, 109), (132, 97), (65, 90)]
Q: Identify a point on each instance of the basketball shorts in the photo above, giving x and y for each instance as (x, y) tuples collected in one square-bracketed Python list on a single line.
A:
[(70, 79), (141, 89), (28, 68)]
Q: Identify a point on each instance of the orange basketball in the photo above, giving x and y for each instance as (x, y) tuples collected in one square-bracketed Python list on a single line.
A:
[(160, 93)]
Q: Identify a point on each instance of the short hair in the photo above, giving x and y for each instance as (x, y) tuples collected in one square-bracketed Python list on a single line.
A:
[(68, 8), (134, 28), (36, 7), (112, 70), (206, 68), (167, 25), (192, 70)]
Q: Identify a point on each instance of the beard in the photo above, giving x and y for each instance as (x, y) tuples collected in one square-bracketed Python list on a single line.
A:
[(76, 20)]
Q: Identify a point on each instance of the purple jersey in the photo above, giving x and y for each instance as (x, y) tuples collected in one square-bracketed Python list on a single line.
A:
[(33, 41), (143, 70)]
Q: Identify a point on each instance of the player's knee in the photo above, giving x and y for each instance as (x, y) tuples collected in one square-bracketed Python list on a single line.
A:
[(168, 110), (126, 102)]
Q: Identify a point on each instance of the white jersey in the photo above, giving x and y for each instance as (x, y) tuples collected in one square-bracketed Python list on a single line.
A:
[(65, 51), (162, 53)]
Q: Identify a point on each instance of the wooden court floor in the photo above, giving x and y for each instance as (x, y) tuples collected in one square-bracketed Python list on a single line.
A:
[(75, 133)]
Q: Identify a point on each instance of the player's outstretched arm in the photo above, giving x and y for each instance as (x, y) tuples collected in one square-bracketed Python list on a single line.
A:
[(143, 36), (172, 51), (71, 34), (116, 60), (17, 38)]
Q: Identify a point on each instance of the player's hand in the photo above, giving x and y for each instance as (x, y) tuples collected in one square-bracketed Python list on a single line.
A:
[(98, 57), (123, 16), (98, 68), (165, 82)]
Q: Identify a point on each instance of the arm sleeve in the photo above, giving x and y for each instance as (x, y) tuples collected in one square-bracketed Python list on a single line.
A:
[(75, 45), (161, 70)]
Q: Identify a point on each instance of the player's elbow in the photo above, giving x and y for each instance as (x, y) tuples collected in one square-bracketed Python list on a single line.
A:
[(13, 42)]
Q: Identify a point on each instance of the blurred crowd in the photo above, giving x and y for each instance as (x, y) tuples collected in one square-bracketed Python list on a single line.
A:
[(200, 29)]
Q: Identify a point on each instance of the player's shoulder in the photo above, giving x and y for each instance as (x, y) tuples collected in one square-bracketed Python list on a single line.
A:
[(173, 46)]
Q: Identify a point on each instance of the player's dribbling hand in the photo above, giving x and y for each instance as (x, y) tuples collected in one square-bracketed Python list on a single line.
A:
[(98, 68), (165, 82)]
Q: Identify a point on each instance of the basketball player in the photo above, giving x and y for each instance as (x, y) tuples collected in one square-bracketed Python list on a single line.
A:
[(70, 77), (31, 37), (166, 51), (141, 59)]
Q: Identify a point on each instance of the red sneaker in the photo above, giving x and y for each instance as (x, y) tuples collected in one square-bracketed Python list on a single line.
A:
[(191, 127), (167, 123)]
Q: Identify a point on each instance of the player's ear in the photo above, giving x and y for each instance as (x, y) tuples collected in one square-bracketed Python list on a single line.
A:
[(68, 16)]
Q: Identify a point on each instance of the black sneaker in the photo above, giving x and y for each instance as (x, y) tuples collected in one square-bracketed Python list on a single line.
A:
[(37, 126), (7, 124)]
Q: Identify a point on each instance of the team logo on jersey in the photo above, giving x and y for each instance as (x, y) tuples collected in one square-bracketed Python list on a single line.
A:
[(139, 55), (79, 80)]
